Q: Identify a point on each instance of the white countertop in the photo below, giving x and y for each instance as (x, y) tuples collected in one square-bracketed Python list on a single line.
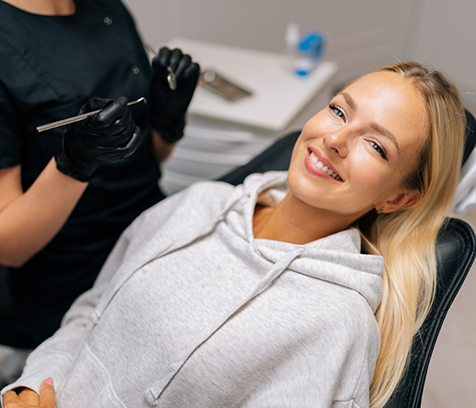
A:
[(278, 94)]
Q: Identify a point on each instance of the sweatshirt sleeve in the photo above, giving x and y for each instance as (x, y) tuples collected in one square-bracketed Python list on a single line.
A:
[(53, 357)]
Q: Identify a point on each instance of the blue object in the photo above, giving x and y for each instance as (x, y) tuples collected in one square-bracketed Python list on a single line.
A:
[(310, 51)]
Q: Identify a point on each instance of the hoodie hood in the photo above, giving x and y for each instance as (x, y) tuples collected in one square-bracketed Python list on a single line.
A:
[(336, 258)]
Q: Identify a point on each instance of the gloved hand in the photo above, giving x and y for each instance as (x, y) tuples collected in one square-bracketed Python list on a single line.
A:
[(168, 107), (107, 137)]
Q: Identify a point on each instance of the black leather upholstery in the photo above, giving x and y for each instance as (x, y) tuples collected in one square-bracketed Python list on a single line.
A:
[(455, 251), (470, 137)]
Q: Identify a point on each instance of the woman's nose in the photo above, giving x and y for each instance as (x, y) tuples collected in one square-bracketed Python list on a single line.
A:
[(337, 142)]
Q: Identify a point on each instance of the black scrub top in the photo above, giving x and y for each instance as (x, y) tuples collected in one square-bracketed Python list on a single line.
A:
[(49, 67)]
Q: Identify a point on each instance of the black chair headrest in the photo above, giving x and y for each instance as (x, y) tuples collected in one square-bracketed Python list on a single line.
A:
[(470, 137)]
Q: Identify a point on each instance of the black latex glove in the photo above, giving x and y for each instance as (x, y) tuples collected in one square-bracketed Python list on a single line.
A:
[(107, 137), (168, 107)]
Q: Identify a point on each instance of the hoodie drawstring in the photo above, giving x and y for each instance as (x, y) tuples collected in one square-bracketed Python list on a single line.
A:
[(152, 394)]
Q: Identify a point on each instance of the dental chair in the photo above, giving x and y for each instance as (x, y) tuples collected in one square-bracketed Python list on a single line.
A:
[(455, 249)]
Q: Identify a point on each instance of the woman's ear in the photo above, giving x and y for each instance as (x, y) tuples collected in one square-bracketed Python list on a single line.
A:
[(400, 201)]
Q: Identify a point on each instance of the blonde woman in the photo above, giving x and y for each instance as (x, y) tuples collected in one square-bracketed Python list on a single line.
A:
[(261, 294)]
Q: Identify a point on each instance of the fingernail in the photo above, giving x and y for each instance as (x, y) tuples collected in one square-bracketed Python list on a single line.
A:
[(49, 381)]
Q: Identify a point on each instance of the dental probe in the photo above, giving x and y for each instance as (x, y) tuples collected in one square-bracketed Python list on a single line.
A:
[(78, 118)]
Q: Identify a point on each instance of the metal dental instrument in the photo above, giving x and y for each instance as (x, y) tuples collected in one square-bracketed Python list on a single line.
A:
[(78, 118), (171, 78)]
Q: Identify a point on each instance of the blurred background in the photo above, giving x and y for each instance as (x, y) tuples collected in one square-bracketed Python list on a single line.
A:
[(361, 35)]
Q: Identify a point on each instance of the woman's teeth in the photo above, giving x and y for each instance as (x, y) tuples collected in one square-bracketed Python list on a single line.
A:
[(319, 164)]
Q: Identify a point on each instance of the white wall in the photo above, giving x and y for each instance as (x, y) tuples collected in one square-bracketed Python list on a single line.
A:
[(446, 38), (363, 34)]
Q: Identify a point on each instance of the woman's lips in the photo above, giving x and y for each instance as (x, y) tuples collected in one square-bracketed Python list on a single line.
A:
[(320, 165)]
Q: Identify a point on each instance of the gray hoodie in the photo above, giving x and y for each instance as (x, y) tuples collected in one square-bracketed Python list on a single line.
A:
[(191, 311)]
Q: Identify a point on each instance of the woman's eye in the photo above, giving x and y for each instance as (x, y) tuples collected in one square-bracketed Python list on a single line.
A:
[(337, 111), (379, 149)]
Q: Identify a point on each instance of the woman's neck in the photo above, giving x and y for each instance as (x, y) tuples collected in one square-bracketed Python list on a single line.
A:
[(296, 222), (45, 7)]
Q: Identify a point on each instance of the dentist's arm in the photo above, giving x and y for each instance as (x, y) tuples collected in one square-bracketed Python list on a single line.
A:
[(30, 219)]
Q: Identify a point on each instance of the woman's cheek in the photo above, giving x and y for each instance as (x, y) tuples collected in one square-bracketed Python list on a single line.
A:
[(366, 172)]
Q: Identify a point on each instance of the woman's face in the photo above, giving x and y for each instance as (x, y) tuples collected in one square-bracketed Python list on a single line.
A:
[(354, 155)]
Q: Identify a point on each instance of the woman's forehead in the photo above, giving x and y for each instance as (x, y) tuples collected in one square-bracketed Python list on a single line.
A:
[(391, 101)]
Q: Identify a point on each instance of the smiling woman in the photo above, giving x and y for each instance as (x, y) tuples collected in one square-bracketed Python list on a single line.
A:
[(262, 294), (360, 150)]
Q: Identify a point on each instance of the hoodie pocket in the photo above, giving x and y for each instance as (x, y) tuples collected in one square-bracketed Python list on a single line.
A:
[(88, 385)]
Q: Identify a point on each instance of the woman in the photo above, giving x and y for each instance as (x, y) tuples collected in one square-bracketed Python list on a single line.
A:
[(63, 209), (260, 294)]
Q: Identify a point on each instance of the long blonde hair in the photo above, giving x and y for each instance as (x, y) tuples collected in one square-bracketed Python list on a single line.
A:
[(406, 238)]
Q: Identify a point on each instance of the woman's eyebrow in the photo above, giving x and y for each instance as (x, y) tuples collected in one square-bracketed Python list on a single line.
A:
[(379, 128), (350, 101), (386, 133)]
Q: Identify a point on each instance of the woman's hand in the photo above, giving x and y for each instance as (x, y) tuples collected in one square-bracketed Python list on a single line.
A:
[(30, 399)]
